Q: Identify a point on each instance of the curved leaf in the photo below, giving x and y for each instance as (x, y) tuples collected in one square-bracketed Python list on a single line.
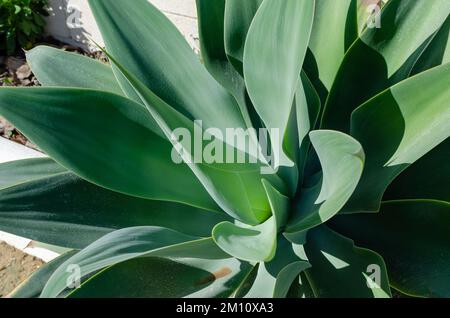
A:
[(15, 173), (427, 178), (340, 269), (238, 18), (274, 278), (308, 107), (327, 52), (382, 56), (54, 67), (254, 243), (67, 211), (342, 159), (394, 134), (286, 276), (413, 238), (166, 278), (211, 20), (438, 51), (219, 179), (273, 58), (147, 44), (63, 121), (113, 248)]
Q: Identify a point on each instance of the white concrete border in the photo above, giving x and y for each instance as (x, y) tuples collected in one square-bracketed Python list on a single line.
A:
[(72, 22)]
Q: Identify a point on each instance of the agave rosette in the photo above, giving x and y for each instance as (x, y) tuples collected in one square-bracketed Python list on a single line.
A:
[(364, 114)]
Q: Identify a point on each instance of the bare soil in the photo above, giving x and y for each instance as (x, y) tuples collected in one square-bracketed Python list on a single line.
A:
[(15, 267)]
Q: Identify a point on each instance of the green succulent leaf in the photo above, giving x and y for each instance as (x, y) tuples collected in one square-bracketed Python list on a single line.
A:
[(394, 134), (163, 187), (166, 278), (238, 18), (382, 56), (427, 178), (163, 61), (340, 269), (54, 67), (33, 286), (211, 24), (342, 159), (15, 173), (325, 56), (219, 179), (273, 279), (286, 276), (113, 248), (254, 243), (438, 51), (414, 242), (272, 54), (64, 210), (308, 107), (63, 121)]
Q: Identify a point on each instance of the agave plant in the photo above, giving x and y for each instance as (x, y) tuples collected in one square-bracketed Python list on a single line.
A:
[(360, 209)]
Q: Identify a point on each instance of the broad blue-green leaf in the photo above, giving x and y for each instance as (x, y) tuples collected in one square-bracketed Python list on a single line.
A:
[(15, 173), (113, 248), (412, 236), (286, 276), (308, 107), (211, 20), (336, 18), (219, 179), (427, 178), (382, 56), (395, 130), (63, 122), (238, 18), (274, 278), (342, 159), (147, 44), (65, 210), (204, 248), (274, 52), (54, 67), (340, 269), (166, 278), (254, 243), (437, 52), (32, 287)]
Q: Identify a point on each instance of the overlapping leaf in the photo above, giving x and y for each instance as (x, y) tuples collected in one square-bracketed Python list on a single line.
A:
[(342, 160), (273, 59), (339, 269), (65, 210), (382, 56), (256, 243), (166, 278), (54, 67), (162, 60), (63, 122), (113, 248), (414, 242), (394, 134)]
